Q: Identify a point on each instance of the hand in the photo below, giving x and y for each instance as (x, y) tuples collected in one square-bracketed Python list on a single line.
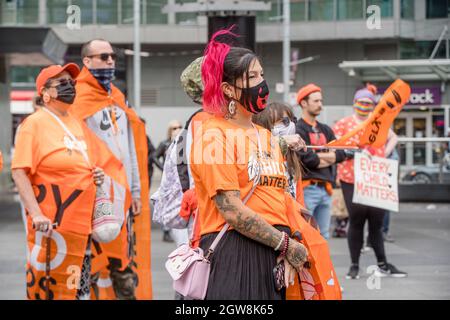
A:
[(295, 142), (99, 176), (289, 272), (297, 254), (349, 153), (42, 223), (136, 206)]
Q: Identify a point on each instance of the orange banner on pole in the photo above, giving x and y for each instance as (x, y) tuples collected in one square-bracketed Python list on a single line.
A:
[(376, 127)]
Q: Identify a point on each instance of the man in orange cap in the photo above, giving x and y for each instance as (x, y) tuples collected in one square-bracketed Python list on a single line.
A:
[(320, 174)]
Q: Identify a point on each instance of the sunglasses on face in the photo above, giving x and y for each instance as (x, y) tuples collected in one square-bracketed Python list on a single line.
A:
[(366, 103), (104, 56), (64, 82), (286, 121), (176, 128)]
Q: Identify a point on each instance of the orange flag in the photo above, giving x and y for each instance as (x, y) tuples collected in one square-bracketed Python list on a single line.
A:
[(376, 127), (90, 99)]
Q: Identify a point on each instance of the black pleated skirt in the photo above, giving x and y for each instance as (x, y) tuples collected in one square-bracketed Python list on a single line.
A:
[(241, 268)]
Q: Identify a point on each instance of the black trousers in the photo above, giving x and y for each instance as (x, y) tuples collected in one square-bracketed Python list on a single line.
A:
[(358, 215), (241, 268)]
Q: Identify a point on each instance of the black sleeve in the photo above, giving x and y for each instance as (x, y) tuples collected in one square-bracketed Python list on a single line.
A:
[(309, 158), (340, 154), (159, 153), (182, 163), (182, 160)]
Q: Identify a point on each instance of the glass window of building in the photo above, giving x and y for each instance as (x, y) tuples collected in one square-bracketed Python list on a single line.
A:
[(24, 75), (349, 9), (154, 12), (107, 12), (321, 10), (274, 15), (438, 9), (87, 10), (56, 11), (298, 10), (407, 9), (19, 12), (420, 50), (386, 7), (186, 17), (127, 14)]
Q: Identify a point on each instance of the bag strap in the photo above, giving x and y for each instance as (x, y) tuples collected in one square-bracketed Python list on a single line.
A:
[(71, 136), (244, 201)]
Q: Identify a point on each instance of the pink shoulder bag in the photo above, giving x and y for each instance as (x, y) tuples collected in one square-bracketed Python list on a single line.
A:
[(189, 267)]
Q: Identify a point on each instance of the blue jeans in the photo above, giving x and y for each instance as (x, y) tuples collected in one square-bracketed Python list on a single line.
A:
[(386, 220), (318, 201)]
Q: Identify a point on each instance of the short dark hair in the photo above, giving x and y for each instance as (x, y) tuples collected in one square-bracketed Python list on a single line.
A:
[(86, 47)]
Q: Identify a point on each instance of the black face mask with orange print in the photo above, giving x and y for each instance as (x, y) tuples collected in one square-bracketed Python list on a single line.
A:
[(257, 97)]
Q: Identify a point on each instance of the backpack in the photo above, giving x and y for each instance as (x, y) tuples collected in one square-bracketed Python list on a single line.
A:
[(174, 182), (167, 199)]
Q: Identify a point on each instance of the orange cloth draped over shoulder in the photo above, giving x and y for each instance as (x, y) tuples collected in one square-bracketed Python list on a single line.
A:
[(90, 99)]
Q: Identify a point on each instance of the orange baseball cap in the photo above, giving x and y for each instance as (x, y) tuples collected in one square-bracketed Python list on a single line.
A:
[(54, 70), (306, 91)]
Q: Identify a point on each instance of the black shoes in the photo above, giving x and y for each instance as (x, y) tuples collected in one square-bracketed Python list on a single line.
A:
[(167, 237), (353, 272), (389, 270)]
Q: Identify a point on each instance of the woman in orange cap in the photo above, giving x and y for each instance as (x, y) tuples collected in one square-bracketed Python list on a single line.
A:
[(56, 171)]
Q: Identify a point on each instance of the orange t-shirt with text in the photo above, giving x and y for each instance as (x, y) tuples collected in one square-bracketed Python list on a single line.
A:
[(47, 153), (225, 157)]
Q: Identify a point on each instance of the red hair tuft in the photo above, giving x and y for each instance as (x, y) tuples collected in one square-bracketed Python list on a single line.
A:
[(212, 72)]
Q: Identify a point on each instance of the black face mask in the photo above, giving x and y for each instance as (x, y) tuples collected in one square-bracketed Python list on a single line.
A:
[(257, 97), (66, 91)]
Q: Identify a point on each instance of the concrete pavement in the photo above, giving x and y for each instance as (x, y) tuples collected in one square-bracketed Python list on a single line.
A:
[(422, 234)]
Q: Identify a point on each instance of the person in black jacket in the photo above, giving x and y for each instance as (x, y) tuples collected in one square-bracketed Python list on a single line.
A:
[(318, 163)]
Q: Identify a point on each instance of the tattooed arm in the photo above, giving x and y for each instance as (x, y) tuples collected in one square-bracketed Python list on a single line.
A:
[(253, 226)]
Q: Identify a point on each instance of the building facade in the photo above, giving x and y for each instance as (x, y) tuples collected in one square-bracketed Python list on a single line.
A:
[(331, 31)]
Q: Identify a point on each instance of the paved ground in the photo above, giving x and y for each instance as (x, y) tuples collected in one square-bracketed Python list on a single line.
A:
[(422, 234)]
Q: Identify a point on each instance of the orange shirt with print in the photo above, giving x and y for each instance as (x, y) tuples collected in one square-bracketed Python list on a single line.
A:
[(225, 158), (345, 169), (47, 153)]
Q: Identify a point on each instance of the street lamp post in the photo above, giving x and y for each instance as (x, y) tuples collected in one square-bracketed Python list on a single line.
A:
[(286, 49), (137, 57)]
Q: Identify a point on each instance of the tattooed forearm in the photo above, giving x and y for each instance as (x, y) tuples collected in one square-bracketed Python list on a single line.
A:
[(297, 254), (244, 220)]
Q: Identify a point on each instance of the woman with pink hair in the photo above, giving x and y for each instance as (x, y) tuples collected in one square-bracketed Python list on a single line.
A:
[(241, 186)]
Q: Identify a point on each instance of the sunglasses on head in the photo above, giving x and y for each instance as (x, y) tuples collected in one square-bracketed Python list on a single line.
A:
[(104, 56)]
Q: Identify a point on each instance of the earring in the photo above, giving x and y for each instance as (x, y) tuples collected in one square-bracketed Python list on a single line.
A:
[(231, 110), (46, 97)]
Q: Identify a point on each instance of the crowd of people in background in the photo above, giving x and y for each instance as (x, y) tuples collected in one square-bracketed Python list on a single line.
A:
[(93, 140)]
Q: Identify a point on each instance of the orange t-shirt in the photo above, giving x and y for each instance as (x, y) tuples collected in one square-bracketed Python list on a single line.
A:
[(225, 158), (47, 153), (345, 169)]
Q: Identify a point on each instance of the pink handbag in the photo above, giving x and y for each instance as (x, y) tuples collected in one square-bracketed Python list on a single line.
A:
[(190, 271)]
